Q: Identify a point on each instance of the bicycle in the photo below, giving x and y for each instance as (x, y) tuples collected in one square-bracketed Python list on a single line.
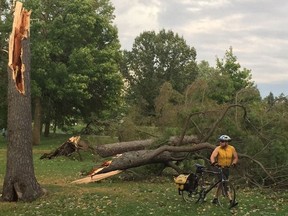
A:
[(197, 187)]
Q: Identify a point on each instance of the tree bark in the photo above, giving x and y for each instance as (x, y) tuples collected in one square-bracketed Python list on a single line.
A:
[(37, 122), (46, 128), (20, 182), (108, 150)]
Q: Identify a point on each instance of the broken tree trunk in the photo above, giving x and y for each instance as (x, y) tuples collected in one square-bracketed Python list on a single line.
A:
[(20, 182), (131, 159), (108, 150), (163, 154), (73, 144)]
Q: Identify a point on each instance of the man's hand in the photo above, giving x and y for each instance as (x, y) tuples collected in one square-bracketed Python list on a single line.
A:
[(233, 165), (214, 164)]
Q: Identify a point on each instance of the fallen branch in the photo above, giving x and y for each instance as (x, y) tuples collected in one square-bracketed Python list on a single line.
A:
[(97, 177), (70, 146), (163, 154), (108, 150)]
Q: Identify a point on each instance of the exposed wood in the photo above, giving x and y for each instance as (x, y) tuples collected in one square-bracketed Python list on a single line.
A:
[(97, 177), (20, 30), (94, 175), (73, 144)]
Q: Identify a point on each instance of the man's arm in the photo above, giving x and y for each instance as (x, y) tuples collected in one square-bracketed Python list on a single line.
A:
[(214, 156), (235, 157)]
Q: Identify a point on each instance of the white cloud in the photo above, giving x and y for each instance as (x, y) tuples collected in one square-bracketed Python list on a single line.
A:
[(256, 31), (134, 18)]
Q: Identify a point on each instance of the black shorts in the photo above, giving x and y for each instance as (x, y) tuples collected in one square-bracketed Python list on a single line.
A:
[(226, 172)]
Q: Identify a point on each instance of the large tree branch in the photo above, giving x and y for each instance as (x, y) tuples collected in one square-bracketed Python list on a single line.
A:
[(214, 126), (216, 123), (259, 163), (163, 154), (191, 149), (121, 147)]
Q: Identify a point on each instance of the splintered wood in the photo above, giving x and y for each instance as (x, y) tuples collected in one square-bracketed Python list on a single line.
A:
[(20, 31), (96, 177)]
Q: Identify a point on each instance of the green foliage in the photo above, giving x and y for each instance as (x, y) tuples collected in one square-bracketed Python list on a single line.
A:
[(156, 58), (128, 131), (230, 78), (229, 65), (75, 55), (167, 105)]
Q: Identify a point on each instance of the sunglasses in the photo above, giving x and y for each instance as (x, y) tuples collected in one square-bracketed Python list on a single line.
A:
[(222, 141)]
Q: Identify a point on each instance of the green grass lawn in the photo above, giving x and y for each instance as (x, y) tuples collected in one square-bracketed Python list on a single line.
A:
[(120, 195)]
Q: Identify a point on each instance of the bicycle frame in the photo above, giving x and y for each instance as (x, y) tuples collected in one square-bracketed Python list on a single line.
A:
[(203, 190)]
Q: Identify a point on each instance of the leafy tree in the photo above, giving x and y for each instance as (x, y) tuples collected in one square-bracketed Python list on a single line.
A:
[(230, 77), (156, 58), (75, 54), (220, 85), (205, 70)]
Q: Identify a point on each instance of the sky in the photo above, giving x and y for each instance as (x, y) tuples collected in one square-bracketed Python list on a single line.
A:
[(257, 31)]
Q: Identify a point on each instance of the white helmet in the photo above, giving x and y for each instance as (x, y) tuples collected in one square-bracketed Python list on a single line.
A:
[(224, 138)]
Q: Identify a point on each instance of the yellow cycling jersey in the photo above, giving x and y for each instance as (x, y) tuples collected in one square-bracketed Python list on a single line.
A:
[(225, 155)]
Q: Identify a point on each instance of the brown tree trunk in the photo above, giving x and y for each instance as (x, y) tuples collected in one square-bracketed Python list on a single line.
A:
[(37, 122), (46, 128), (119, 148), (20, 182)]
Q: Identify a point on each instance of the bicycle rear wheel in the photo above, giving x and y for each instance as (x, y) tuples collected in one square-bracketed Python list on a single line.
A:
[(227, 197), (190, 196)]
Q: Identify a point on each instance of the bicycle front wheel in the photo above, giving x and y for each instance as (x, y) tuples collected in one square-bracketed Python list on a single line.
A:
[(227, 197), (190, 196)]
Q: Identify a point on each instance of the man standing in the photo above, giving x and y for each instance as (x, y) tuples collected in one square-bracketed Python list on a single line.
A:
[(224, 156)]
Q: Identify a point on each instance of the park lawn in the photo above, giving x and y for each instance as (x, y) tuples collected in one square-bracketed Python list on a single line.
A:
[(121, 195)]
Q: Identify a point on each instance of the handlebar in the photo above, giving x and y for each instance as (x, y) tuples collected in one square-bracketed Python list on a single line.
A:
[(201, 169)]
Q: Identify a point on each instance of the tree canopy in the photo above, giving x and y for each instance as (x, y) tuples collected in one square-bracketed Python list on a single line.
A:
[(156, 58), (75, 53)]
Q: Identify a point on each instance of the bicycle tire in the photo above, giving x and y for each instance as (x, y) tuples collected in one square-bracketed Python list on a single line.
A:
[(190, 197), (224, 199)]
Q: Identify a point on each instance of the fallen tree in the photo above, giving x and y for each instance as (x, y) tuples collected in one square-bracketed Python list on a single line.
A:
[(73, 144), (164, 154), (108, 150), (135, 154), (170, 152)]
